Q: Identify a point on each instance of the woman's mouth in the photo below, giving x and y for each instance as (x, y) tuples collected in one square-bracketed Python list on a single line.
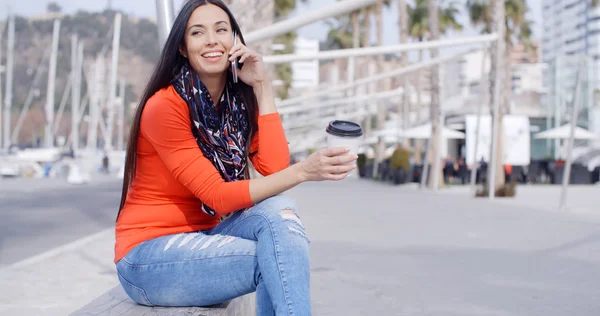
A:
[(212, 56)]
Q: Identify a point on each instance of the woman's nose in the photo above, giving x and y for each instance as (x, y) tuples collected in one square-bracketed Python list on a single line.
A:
[(211, 38)]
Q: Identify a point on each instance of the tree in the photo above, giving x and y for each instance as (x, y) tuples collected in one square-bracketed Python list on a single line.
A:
[(344, 32), (508, 19), (53, 7), (434, 107), (377, 10), (403, 107), (340, 35), (418, 28)]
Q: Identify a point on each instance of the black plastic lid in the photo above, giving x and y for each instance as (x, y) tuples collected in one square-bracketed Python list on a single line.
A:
[(344, 129)]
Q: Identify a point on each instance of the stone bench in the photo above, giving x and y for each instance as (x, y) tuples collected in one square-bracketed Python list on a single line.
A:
[(116, 303)]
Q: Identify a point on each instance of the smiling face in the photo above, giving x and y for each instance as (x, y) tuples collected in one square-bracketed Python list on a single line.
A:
[(208, 39)]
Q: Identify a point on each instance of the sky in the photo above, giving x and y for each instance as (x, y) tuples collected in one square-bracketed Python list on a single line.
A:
[(147, 8)]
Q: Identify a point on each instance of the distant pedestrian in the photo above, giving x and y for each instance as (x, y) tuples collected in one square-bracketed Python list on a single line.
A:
[(105, 164), (461, 170)]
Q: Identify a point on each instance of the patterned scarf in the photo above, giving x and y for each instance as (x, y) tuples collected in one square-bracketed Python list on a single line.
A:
[(221, 132)]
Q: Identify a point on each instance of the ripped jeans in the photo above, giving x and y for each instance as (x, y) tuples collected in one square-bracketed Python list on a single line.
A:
[(262, 249)]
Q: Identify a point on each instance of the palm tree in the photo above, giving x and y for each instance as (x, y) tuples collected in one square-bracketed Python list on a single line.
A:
[(344, 32), (403, 107), (367, 12), (378, 12), (508, 19), (418, 28), (355, 29), (352, 65), (381, 105), (366, 42), (434, 108), (340, 35)]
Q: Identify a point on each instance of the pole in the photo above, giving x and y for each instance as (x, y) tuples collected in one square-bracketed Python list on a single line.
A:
[(569, 153), (438, 152), (76, 64), (32, 93), (425, 172), (2, 69), (557, 102), (74, 87), (92, 141), (484, 99), (62, 104), (121, 122), (10, 55), (550, 100), (165, 14), (49, 133), (113, 81), (590, 91)]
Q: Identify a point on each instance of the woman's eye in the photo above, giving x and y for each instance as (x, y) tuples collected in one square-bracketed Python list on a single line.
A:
[(222, 30), (195, 32)]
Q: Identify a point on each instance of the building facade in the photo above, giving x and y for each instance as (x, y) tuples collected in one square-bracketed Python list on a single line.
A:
[(571, 37)]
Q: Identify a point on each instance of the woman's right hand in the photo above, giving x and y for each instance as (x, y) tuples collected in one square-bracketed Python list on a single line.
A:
[(327, 164)]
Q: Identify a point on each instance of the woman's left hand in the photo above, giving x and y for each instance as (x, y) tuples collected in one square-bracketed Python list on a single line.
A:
[(253, 72)]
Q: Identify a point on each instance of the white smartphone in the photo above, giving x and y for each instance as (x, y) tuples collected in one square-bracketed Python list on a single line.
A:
[(234, 64)]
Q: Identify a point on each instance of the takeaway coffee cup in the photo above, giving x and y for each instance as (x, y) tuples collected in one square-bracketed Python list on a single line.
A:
[(344, 134)]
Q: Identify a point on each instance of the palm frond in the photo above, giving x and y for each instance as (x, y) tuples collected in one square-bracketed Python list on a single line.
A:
[(518, 27), (418, 19)]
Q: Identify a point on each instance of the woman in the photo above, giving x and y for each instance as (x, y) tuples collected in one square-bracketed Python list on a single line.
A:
[(193, 229)]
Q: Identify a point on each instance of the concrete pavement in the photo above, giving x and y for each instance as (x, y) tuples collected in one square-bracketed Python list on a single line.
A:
[(61, 280), (38, 215), (580, 198), (383, 250)]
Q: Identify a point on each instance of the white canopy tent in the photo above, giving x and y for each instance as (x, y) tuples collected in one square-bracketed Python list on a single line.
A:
[(367, 150), (417, 132), (424, 132), (370, 152), (387, 139), (563, 133)]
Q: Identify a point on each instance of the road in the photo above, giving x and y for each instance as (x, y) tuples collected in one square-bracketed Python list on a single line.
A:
[(376, 249), (384, 250), (38, 215)]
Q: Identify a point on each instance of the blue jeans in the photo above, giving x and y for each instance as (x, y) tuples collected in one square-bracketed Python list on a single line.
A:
[(262, 249)]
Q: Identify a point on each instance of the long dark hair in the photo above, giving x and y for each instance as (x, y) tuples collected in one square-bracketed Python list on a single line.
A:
[(169, 65)]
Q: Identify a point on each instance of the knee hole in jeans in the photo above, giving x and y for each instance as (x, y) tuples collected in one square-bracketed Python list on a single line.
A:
[(293, 222)]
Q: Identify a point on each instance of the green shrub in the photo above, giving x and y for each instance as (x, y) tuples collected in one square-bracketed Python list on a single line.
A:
[(400, 159), (361, 160)]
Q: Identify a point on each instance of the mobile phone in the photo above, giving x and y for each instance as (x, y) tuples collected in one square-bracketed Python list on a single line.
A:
[(234, 64)]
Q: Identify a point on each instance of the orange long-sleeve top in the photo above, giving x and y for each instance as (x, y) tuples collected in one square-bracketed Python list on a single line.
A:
[(173, 178)]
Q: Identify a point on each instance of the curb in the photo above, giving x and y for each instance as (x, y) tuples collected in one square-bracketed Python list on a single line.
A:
[(59, 250)]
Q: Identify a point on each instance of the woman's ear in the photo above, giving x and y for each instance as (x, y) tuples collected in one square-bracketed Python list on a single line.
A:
[(182, 51)]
